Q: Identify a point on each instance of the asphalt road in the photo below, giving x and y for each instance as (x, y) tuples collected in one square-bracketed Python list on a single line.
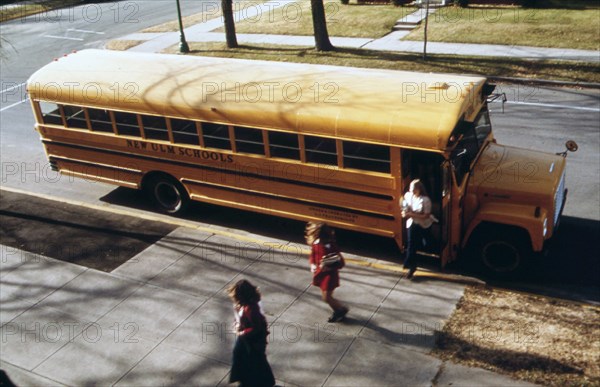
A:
[(534, 117), (35, 40)]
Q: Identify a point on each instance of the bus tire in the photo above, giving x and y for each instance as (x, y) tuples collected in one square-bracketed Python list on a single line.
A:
[(167, 194), (502, 252)]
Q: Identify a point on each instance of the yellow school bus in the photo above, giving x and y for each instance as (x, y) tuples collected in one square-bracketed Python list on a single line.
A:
[(306, 142)]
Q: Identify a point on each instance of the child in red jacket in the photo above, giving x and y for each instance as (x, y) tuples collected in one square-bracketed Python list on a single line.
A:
[(325, 262)]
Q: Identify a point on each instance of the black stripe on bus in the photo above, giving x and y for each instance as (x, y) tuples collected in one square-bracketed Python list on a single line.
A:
[(291, 200), (240, 190), (236, 173)]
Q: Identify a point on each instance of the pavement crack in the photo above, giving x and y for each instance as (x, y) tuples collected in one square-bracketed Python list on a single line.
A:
[(367, 43), (434, 381)]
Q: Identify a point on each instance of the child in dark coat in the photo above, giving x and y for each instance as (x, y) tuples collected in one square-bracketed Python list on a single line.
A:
[(250, 366)]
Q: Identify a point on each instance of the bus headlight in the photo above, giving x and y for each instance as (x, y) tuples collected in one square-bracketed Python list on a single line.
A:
[(545, 226)]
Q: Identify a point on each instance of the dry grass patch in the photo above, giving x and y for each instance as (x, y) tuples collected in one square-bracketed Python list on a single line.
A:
[(122, 45), (552, 27), (212, 10), (173, 25), (350, 20), (486, 66), (533, 338)]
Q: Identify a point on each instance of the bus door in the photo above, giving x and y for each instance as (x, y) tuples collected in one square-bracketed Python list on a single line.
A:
[(428, 167), (446, 252), (458, 170), (461, 158)]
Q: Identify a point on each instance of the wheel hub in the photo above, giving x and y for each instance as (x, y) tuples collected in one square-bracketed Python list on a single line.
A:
[(501, 256)]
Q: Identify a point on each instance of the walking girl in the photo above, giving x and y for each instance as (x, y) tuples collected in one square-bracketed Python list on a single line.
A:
[(325, 262), (250, 366)]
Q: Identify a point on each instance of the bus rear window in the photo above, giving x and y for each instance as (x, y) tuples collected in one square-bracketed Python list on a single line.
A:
[(51, 113), (75, 117), (367, 157)]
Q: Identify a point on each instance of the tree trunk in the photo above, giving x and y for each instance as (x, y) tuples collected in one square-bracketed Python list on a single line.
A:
[(322, 42), (229, 23)]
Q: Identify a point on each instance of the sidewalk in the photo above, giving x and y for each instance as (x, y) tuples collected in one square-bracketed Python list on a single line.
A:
[(163, 318), (157, 42)]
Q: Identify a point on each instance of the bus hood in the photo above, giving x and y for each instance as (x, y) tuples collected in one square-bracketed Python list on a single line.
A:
[(521, 176)]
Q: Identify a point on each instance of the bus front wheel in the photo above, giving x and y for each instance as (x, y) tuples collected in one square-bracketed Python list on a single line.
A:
[(503, 252), (167, 194)]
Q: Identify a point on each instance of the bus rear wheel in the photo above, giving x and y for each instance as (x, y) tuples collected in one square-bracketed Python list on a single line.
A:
[(167, 194)]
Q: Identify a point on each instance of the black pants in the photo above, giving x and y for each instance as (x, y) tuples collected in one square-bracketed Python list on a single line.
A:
[(250, 366), (416, 234)]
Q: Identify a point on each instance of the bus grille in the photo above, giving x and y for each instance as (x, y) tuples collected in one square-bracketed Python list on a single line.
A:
[(559, 197)]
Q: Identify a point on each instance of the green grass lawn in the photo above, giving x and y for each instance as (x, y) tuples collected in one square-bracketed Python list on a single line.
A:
[(351, 20), (486, 66), (565, 27)]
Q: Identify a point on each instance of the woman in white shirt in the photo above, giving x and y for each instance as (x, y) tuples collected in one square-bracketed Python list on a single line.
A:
[(416, 208)]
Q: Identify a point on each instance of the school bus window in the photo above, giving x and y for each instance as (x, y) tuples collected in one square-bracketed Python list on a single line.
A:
[(127, 124), (216, 136), (75, 117), (184, 131), (248, 140), (367, 157), (284, 145), (51, 113), (155, 128), (100, 120), (483, 127), (320, 150), (465, 151)]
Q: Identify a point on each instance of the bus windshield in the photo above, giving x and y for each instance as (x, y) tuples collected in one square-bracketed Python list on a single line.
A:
[(471, 137)]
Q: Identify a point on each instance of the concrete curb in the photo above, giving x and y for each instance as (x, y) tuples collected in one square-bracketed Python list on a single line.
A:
[(544, 82)]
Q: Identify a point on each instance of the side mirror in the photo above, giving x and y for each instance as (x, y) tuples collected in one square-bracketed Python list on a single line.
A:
[(571, 147)]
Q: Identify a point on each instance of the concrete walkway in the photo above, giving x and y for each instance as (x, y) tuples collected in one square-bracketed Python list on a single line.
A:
[(157, 42), (163, 318)]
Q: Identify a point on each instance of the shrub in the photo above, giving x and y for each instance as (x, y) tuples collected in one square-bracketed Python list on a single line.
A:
[(530, 3)]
